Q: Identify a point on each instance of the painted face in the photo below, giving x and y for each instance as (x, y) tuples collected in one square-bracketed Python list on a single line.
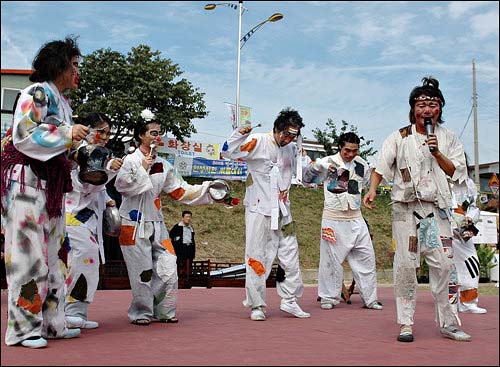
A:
[(426, 107), (101, 134), (152, 135), (71, 75), (349, 151), (286, 136)]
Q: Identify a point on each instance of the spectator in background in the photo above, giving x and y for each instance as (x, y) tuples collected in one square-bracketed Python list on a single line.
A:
[(182, 235)]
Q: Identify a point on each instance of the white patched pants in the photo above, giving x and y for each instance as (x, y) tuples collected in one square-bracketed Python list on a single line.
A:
[(341, 240), (404, 231), (262, 246)]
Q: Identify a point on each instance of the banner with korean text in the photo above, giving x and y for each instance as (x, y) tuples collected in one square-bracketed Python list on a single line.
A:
[(189, 148), (209, 168)]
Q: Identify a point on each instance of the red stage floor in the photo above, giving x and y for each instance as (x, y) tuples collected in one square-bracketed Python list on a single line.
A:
[(215, 329)]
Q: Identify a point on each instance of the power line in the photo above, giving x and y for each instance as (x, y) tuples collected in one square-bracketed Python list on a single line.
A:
[(466, 122)]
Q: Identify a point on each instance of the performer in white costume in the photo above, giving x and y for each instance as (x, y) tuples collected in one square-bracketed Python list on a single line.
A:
[(270, 231), (144, 239), (419, 167), (84, 213), (36, 172), (344, 233), (465, 215)]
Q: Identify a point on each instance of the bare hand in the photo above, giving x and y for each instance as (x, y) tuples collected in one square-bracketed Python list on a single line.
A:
[(147, 161), (245, 130), (79, 132), (432, 142), (369, 198), (111, 203), (116, 164)]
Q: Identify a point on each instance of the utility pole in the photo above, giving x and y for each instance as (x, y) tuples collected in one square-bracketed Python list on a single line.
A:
[(474, 108)]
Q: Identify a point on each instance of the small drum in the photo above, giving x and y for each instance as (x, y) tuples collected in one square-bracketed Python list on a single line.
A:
[(92, 160), (112, 224)]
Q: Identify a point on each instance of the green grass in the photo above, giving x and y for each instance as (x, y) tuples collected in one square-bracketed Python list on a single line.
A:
[(220, 232)]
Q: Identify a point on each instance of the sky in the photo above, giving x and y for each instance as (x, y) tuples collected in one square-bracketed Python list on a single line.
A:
[(352, 61)]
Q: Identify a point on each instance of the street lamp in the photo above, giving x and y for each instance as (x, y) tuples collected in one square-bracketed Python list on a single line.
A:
[(241, 42)]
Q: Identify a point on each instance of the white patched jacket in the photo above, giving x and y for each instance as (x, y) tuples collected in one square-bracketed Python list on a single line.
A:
[(270, 169)]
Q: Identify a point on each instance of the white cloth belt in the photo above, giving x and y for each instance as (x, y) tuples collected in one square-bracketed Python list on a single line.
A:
[(101, 204), (276, 203)]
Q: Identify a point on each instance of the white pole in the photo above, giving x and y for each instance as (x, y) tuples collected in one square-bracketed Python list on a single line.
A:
[(477, 179), (238, 67)]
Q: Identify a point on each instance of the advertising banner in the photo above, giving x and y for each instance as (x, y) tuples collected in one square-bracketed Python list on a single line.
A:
[(208, 168), (189, 148)]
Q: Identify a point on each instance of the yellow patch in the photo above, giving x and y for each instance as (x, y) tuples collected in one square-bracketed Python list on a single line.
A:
[(71, 220)]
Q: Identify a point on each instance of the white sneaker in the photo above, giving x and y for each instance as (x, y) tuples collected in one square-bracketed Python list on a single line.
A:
[(376, 306), (294, 309), (74, 322), (327, 306), (453, 332), (34, 343), (472, 309), (72, 333), (257, 314)]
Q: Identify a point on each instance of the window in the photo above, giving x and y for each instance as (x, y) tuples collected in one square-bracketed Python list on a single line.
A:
[(8, 99)]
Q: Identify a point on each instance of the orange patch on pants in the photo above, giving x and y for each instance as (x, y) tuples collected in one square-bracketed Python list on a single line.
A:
[(468, 296), (168, 245), (126, 235), (257, 266), (34, 307)]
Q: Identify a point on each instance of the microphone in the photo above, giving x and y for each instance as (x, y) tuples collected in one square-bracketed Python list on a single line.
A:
[(428, 129)]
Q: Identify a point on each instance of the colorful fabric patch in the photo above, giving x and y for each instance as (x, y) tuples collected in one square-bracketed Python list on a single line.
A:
[(328, 234), (29, 299), (84, 214), (468, 295), (156, 168), (126, 236), (71, 220), (257, 266), (177, 194), (146, 275), (79, 291), (472, 264), (135, 215), (64, 249), (158, 203), (248, 147), (167, 243)]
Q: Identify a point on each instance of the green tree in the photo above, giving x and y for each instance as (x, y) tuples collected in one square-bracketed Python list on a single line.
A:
[(330, 136), (123, 86)]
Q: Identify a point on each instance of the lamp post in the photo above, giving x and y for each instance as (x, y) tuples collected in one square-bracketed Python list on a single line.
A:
[(241, 42)]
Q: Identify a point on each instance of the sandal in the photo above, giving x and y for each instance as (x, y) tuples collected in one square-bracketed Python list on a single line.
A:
[(172, 320), (142, 322)]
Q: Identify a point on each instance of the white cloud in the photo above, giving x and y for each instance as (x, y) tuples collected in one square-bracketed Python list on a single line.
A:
[(458, 9), (485, 24)]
